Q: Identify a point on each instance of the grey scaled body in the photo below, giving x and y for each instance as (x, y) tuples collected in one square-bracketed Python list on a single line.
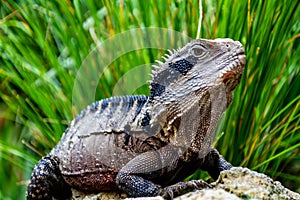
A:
[(145, 146)]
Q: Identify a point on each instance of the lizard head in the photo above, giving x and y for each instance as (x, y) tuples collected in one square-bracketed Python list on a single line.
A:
[(199, 65), (190, 91)]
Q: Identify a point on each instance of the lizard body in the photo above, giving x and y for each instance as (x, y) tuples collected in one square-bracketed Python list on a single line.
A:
[(143, 145)]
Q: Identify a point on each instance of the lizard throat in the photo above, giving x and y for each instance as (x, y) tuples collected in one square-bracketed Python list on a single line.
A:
[(233, 75)]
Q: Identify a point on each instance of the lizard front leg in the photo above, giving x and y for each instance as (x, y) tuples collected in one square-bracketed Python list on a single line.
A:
[(137, 186), (135, 177)]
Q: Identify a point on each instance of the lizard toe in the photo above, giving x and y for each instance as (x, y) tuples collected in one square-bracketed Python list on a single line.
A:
[(183, 187)]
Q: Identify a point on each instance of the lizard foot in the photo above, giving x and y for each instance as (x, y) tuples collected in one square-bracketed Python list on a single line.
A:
[(182, 187)]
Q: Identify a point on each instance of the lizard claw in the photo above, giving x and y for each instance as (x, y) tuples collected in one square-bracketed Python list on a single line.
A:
[(182, 187)]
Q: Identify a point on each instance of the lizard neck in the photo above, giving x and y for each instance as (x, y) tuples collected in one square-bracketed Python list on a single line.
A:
[(186, 120)]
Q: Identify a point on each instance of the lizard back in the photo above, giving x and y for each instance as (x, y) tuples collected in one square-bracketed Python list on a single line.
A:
[(95, 142)]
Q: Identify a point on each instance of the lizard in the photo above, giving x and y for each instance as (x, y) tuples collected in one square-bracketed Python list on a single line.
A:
[(146, 145)]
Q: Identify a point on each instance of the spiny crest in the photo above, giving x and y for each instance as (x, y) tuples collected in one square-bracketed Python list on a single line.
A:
[(162, 65), (165, 73)]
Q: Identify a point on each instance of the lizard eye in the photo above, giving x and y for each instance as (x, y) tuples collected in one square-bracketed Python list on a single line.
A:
[(198, 51)]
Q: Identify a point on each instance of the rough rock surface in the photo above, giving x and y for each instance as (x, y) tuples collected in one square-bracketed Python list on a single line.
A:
[(237, 183), (242, 183)]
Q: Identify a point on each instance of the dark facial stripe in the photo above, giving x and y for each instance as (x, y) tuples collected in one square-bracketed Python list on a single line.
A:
[(156, 90), (164, 78), (182, 66), (150, 129), (146, 119)]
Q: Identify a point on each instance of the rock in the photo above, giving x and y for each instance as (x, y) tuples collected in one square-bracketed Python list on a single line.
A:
[(208, 194), (77, 195), (235, 184), (248, 184)]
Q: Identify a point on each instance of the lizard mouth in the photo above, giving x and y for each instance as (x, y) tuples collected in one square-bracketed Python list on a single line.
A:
[(234, 70)]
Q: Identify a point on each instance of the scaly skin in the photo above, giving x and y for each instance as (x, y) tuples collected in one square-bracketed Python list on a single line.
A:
[(145, 146)]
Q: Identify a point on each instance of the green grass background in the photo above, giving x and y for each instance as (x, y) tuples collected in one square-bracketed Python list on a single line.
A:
[(43, 44)]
